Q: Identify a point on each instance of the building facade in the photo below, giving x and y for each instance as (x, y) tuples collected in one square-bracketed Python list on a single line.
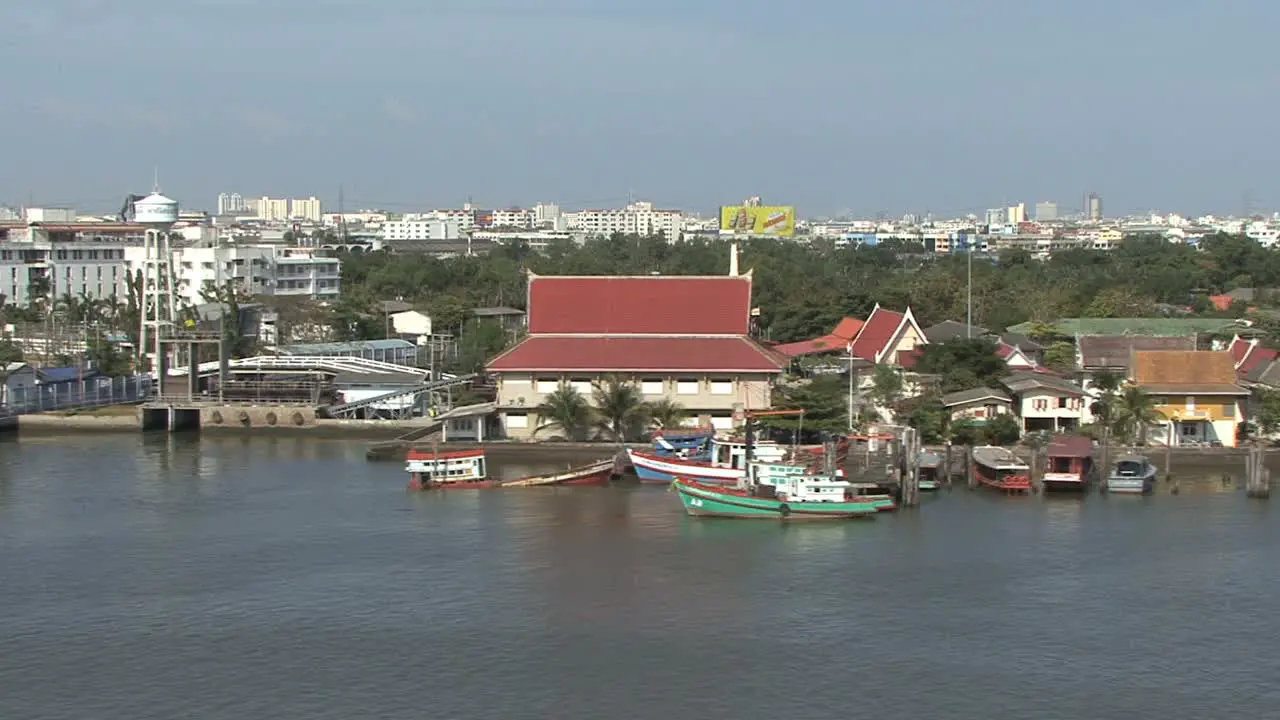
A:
[(1197, 399), (684, 339), (639, 218), (60, 258)]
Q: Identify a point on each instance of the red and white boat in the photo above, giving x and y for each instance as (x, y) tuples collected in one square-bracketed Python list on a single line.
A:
[(1000, 469), (596, 473), (457, 469)]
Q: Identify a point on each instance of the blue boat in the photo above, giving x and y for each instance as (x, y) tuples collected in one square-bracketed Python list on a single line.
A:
[(687, 443)]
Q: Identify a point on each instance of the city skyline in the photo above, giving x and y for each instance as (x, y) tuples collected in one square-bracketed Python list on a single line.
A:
[(691, 105)]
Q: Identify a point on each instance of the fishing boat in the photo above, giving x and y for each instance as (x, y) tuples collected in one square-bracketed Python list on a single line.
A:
[(799, 497), (726, 466), (1133, 474), (596, 473), (930, 464), (999, 468), (687, 443), (1069, 463), (458, 469)]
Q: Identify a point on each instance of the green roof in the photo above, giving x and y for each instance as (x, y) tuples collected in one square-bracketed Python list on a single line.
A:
[(1151, 327)]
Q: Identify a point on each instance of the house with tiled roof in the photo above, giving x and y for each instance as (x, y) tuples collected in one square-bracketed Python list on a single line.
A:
[(1018, 351), (1249, 354), (1196, 395), (685, 338), (889, 338), (977, 405), (837, 341), (1045, 402)]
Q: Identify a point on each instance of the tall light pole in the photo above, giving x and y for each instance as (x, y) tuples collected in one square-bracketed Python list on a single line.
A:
[(968, 325), (849, 349)]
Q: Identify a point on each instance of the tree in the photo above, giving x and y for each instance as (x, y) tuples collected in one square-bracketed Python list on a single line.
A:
[(825, 400), (619, 408), (666, 413), (9, 353), (886, 387), (929, 416), (968, 432), (1061, 357), (229, 296), (106, 358), (1134, 413), (1266, 413), (567, 411), (963, 364), (1107, 384), (1002, 430)]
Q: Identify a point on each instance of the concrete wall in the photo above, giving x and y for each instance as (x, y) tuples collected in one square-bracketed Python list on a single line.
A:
[(238, 416)]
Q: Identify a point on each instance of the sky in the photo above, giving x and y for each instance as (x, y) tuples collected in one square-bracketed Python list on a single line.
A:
[(834, 106)]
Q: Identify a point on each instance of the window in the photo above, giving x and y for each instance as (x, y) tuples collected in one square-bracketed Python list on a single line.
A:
[(652, 386), (547, 385), (1062, 403), (686, 387), (721, 386), (722, 421), (517, 421)]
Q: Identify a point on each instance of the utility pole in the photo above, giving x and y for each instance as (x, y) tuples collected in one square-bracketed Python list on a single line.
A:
[(849, 348), (968, 330)]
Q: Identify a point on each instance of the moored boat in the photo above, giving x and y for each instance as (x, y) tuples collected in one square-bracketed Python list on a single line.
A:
[(1133, 474), (727, 465), (1069, 463), (596, 473), (1000, 469), (931, 468), (457, 469), (799, 497), (687, 443)]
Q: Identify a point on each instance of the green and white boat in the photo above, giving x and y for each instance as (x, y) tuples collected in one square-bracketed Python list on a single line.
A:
[(789, 497)]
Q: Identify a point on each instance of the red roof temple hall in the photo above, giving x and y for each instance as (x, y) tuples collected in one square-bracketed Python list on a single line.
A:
[(685, 338)]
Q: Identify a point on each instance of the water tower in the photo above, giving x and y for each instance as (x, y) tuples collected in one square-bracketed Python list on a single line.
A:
[(158, 213)]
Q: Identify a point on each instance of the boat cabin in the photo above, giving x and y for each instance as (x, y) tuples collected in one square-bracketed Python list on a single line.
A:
[(999, 468), (440, 468), (692, 443), (1069, 462), (733, 453), (810, 489)]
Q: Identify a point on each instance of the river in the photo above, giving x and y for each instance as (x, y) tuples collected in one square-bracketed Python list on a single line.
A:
[(264, 578)]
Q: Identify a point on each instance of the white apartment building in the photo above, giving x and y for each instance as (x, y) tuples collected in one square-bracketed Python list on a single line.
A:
[(231, 203), (307, 209), (256, 269), (81, 259), (639, 218), (363, 217), (438, 225)]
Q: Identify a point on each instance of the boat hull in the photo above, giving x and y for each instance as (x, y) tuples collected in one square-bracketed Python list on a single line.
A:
[(663, 470), (1064, 482), (709, 501), (1131, 485), (596, 475), (418, 485)]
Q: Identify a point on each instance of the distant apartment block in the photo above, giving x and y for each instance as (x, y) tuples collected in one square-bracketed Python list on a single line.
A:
[(231, 204), (54, 255), (255, 269), (639, 218), (1046, 211), (272, 209)]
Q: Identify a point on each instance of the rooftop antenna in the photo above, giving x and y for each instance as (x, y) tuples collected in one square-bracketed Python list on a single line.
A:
[(155, 184)]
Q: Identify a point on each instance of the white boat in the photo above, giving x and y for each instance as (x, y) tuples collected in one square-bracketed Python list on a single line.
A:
[(727, 466), (1133, 474)]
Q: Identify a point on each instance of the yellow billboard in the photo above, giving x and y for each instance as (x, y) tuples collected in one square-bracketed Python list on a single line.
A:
[(747, 220)]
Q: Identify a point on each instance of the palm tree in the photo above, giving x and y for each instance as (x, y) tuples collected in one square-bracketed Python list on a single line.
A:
[(566, 410), (620, 408), (666, 413), (1134, 412)]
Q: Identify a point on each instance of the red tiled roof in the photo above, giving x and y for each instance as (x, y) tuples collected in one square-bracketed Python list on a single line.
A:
[(826, 343), (1256, 356), (876, 332), (1238, 348), (646, 305), (847, 328), (837, 341), (626, 354), (1004, 350), (1222, 302)]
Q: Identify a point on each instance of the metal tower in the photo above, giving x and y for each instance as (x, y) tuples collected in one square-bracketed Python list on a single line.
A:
[(157, 304)]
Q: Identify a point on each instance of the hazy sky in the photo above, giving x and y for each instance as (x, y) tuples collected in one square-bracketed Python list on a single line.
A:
[(831, 105)]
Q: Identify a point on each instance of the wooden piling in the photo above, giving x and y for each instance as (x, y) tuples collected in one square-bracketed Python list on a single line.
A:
[(911, 476), (1037, 477), (1168, 456), (1257, 478), (970, 471)]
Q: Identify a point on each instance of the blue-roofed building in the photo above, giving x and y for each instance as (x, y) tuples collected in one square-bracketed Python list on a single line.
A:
[(57, 375), (394, 351)]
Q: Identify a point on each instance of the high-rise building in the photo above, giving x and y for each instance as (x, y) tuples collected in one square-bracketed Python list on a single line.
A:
[(230, 203), (271, 209), (1016, 214), (1046, 211), (1093, 207), (305, 209)]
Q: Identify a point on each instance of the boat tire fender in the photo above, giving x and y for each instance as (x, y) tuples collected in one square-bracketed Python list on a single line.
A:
[(271, 418), (216, 417), (785, 509), (244, 418), (297, 418)]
